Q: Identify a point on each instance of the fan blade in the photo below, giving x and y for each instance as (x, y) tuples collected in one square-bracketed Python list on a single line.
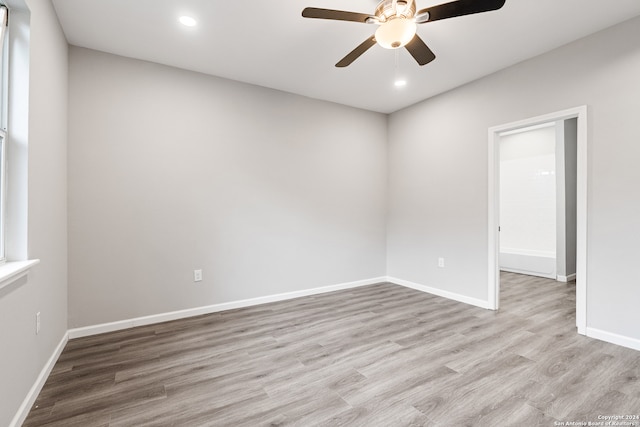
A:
[(355, 53), (338, 15), (457, 8), (420, 51)]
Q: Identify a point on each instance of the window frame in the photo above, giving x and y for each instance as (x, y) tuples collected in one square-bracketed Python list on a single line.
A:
[(4, 89)]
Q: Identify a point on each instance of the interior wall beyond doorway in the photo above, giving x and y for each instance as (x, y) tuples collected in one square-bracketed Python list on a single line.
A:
[(528, 201)]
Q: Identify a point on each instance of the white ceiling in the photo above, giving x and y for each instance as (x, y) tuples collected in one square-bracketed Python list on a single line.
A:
[(268, 43)]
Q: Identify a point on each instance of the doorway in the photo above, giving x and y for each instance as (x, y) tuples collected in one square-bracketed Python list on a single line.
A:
[(580, 114)]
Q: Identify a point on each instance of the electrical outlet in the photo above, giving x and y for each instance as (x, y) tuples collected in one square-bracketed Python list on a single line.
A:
[(441, 262), (37, 323), (197, 275)]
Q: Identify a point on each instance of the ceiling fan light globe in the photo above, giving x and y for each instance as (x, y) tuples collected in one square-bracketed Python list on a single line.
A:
[(395, 33)]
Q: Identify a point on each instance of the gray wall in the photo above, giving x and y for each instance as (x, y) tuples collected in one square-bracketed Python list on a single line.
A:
[(570, 192), (566, 175), (438, 171), (171, 170), (24, 353)]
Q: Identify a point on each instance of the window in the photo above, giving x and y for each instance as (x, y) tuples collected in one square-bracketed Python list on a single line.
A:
[(4, 15), (14, 131)]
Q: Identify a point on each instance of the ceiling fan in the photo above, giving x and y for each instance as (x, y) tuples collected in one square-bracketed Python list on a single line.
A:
[(397, 21)]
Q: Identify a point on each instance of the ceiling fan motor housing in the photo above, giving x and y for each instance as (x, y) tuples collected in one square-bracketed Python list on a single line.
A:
[(403, 9)]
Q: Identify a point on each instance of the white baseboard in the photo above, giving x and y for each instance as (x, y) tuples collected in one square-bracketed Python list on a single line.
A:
[(529, 273), (566, 279), (197, 311), (612, 338), (31, 397), (190, 312), (441, 293)]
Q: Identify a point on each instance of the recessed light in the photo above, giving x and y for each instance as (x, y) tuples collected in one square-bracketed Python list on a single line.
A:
[(187, 21), (400, 83)]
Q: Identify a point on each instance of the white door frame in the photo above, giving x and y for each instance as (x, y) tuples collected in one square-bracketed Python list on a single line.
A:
[(581, 221)]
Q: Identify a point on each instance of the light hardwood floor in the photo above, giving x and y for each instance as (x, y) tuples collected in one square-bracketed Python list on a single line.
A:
[(380, 355)]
